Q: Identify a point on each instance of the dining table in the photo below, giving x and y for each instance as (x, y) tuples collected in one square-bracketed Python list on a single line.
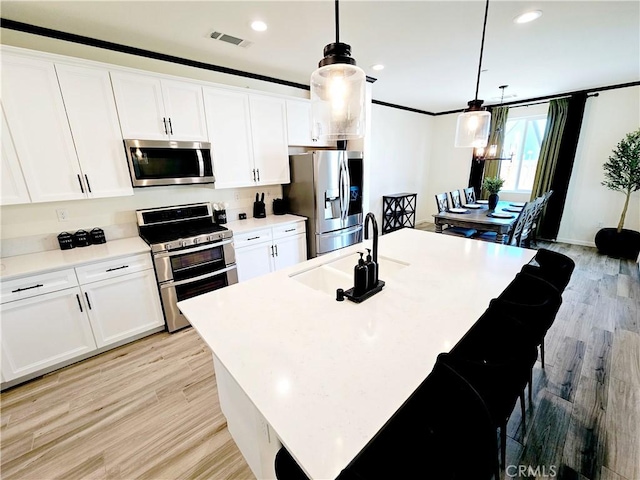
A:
[(479, 217)]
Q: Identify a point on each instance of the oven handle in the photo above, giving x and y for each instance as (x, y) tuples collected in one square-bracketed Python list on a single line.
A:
[(171, 283), (194, 249)]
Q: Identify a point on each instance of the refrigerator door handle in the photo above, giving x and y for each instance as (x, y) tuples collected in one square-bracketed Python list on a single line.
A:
[(347, 186), (342, 233)]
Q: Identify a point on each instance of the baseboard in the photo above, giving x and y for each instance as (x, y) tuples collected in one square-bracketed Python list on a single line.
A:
[(576, 242)]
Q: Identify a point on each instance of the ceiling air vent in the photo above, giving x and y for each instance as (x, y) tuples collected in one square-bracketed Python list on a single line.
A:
[(223, 37)]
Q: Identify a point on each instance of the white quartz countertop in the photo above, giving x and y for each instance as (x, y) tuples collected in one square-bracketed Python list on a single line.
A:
[(32, 263), (327, 375), (240, 226)]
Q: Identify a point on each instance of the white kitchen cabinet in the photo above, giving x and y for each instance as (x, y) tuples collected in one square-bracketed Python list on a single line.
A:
[(151, 108), (13, 189), (40, 131), (43, 331), (91, 110), (122, 307), (248, 138), (299, 131), (266, 250)]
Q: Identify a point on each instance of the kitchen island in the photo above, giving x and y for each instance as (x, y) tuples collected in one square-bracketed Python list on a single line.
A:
[(296, 367)]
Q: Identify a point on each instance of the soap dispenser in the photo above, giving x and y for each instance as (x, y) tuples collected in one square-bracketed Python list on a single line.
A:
[(360, 277), (372, 271)]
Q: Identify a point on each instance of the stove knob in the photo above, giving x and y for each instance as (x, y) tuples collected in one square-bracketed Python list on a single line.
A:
[(212, 238), (196, 241), (185, 243)]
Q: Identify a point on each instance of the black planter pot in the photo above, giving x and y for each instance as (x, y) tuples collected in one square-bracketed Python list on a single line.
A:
[(493, 201), (625, 244)]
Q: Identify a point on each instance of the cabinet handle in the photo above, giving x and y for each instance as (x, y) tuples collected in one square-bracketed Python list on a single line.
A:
[(116, 268), (88, 184), (290, 230), (170, 127), (254, 174), (88, 301), (80, 182), (252, 238), (164, 122), (276, 247), (258, 174), (79, 303), (26, 288), (272, 250)]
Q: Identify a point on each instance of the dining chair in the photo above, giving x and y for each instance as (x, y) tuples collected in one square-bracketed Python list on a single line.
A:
[(470, 195), (444, 417), (455, 199), (554, 267), (442, 202), (515, 234), (527, 229), (496, 358), (532, 235)]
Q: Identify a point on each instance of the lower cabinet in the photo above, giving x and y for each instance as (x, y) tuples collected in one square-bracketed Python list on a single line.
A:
[(263, 251), (42, 331), (51, 319)]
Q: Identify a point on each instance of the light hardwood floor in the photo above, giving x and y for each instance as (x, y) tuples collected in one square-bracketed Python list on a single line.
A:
[(150, 409)]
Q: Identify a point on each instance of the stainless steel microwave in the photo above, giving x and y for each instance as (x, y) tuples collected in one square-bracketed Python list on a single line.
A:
[(167, 162)]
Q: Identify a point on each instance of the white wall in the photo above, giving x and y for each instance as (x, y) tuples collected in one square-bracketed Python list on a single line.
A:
[(591, 206), (399, 156)]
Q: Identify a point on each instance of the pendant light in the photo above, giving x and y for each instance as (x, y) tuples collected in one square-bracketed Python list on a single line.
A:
[(472, 129), (338, 93), (482, 154)]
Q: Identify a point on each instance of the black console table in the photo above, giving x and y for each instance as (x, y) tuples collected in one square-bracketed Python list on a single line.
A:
[(398, 211)]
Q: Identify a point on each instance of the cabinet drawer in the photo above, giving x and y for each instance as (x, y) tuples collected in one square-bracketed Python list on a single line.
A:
[(37, 285), (113, 268), (252, 237), (289, 229)]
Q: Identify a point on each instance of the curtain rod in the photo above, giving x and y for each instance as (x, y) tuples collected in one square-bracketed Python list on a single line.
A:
[(529, 104)]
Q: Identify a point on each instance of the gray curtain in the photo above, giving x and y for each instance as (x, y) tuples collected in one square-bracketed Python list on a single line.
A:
[(496, 137), (550, 148)]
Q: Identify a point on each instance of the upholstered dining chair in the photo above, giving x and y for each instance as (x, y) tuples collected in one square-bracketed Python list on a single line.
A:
[(469, 195), (442, 201), (554, 267), (514, 237), (531, 237), (455, 199)]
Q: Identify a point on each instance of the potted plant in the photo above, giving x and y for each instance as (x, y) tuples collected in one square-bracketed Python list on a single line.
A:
[(622, 174), (493, 186)]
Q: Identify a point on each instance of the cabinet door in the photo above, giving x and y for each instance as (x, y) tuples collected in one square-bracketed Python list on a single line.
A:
[(140, 106), (290, 251), (42, 331), (269, 130), (184, 107), (253, 261), (229, 127), (91, 109), (299, 124), (122, 307), (37, 119), (13, 188)]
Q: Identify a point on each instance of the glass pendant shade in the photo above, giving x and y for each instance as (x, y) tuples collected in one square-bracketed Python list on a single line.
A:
[(338, 93), (472, 129)]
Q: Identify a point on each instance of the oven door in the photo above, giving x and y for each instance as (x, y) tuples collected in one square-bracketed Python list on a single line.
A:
[(173, 292), (153, 163), (194, 261)]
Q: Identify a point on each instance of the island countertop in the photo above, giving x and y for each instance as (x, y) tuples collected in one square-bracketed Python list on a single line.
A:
[(327, 375)]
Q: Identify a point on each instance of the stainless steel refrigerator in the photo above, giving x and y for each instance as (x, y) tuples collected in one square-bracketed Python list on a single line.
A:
[(326, 187)]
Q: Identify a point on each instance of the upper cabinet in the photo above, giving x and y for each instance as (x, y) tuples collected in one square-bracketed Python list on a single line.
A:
[(64, 129), (151, 108), (92, 114), (41, 135), (299, 125), (248, 138), (13, 188)]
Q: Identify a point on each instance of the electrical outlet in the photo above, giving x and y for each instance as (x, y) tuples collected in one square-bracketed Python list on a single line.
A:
[(236, 195), (243, 216), (63, 214)]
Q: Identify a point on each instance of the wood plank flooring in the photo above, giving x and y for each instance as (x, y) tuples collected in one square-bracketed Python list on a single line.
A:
[(149, 410)]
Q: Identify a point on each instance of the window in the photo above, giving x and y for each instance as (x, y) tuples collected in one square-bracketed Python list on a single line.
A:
[(523, 137)]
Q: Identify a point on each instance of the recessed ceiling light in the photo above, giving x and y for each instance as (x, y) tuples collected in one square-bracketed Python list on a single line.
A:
[(259, 26), (528, 16), (377, 67)]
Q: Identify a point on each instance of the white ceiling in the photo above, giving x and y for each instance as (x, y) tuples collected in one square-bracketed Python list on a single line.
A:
[(430, 48)]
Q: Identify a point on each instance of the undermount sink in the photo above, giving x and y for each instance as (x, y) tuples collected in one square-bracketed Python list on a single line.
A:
[(330, 276)]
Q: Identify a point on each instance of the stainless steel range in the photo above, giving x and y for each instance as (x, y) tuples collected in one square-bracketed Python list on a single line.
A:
[(191, 254)]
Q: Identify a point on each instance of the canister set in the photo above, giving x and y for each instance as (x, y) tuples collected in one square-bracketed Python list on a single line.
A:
[(81, 238)]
